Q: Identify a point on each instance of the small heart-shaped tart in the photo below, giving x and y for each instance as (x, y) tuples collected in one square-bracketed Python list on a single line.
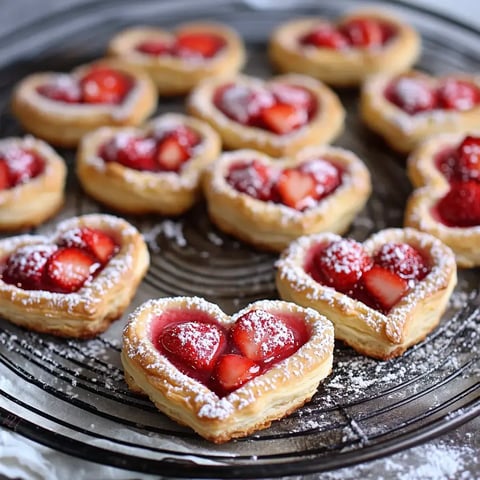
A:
[(73, 283), (382, 297), (177, 61), (61, 108), (278, 117), (346, 52), (405, 109), (445, 171), (269, 202), (226, 377), (32, 179), (153, 169)]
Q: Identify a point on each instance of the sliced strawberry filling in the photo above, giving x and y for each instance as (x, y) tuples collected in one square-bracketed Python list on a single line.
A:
[(164, 151), (225, 359), (280, 108), (101, 85), (18, 166), (185, 45), (379, 280), (77, 256), (299, 188), (414, 95), (361, 32)]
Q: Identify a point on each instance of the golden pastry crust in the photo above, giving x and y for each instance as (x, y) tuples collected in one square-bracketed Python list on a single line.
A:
[(139, 192), (64, 124), (273, 226), (369, 331), (430, 186), (348, 67), (402, 131), (268, 397), (90, 310), (31, 203), (173, 75), (325, 125)]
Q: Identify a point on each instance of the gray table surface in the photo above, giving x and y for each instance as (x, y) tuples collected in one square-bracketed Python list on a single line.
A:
[(454, 455)]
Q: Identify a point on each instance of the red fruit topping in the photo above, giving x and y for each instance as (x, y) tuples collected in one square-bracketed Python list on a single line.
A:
[(456, 94), (299, 97), (105, 85), (460, 207), (196, 44), (232, 371), (468, 159), (133, 152), (327, 176), (446, 162), (63, 89), (282, 118), (342, 263), (25, 267), (385, 286), (22, 164), (186, 136), (68, 269), (155, 47), (242, 104), (364, 32), (263, 337), (4, 175), (296, 189), (325, 36), (413, 95), (94, 241), (171, 154), (253, 178), (195, 345), (403, 260)]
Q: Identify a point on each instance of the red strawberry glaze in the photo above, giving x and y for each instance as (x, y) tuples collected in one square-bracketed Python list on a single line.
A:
[(18, 166), (64, 267), (223, 358), (100, 85), (280, 109), (298, 187), (379, 280)]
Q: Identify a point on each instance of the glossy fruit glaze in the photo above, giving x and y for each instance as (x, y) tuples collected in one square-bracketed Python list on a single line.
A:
[(18, 165)]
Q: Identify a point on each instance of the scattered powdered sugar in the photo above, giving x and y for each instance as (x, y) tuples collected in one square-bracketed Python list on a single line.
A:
[(171, 229)]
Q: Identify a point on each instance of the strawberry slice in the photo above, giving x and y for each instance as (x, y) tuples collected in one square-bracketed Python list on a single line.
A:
[(327, 175), (282, 118), (193, 345), (137, 153), (296, 189), (105, 85), (363, 32), (4, 175), (455, 94), (385, 286), (299, 97), (25, 267), (342, 263), (22, 164), (201, 44), (94, 241), (232, 371), (171, 154), (68, 269), (403, 260), (154, 47), (63, 89), (253, 178), (460, 207), (412, 95), (468, 159), (325, 36), (263, 337)]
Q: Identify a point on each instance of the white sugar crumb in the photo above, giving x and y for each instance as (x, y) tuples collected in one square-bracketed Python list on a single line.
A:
[(170, 229)]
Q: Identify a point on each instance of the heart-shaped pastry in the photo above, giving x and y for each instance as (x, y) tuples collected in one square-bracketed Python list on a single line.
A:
[(153, 169), (73, 283), (445, 170), (405, 109), (32, 178), (223, 376), (383, 296), (277, 117), (346, 52), (269, 202), (177, 61), (61, 108)]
